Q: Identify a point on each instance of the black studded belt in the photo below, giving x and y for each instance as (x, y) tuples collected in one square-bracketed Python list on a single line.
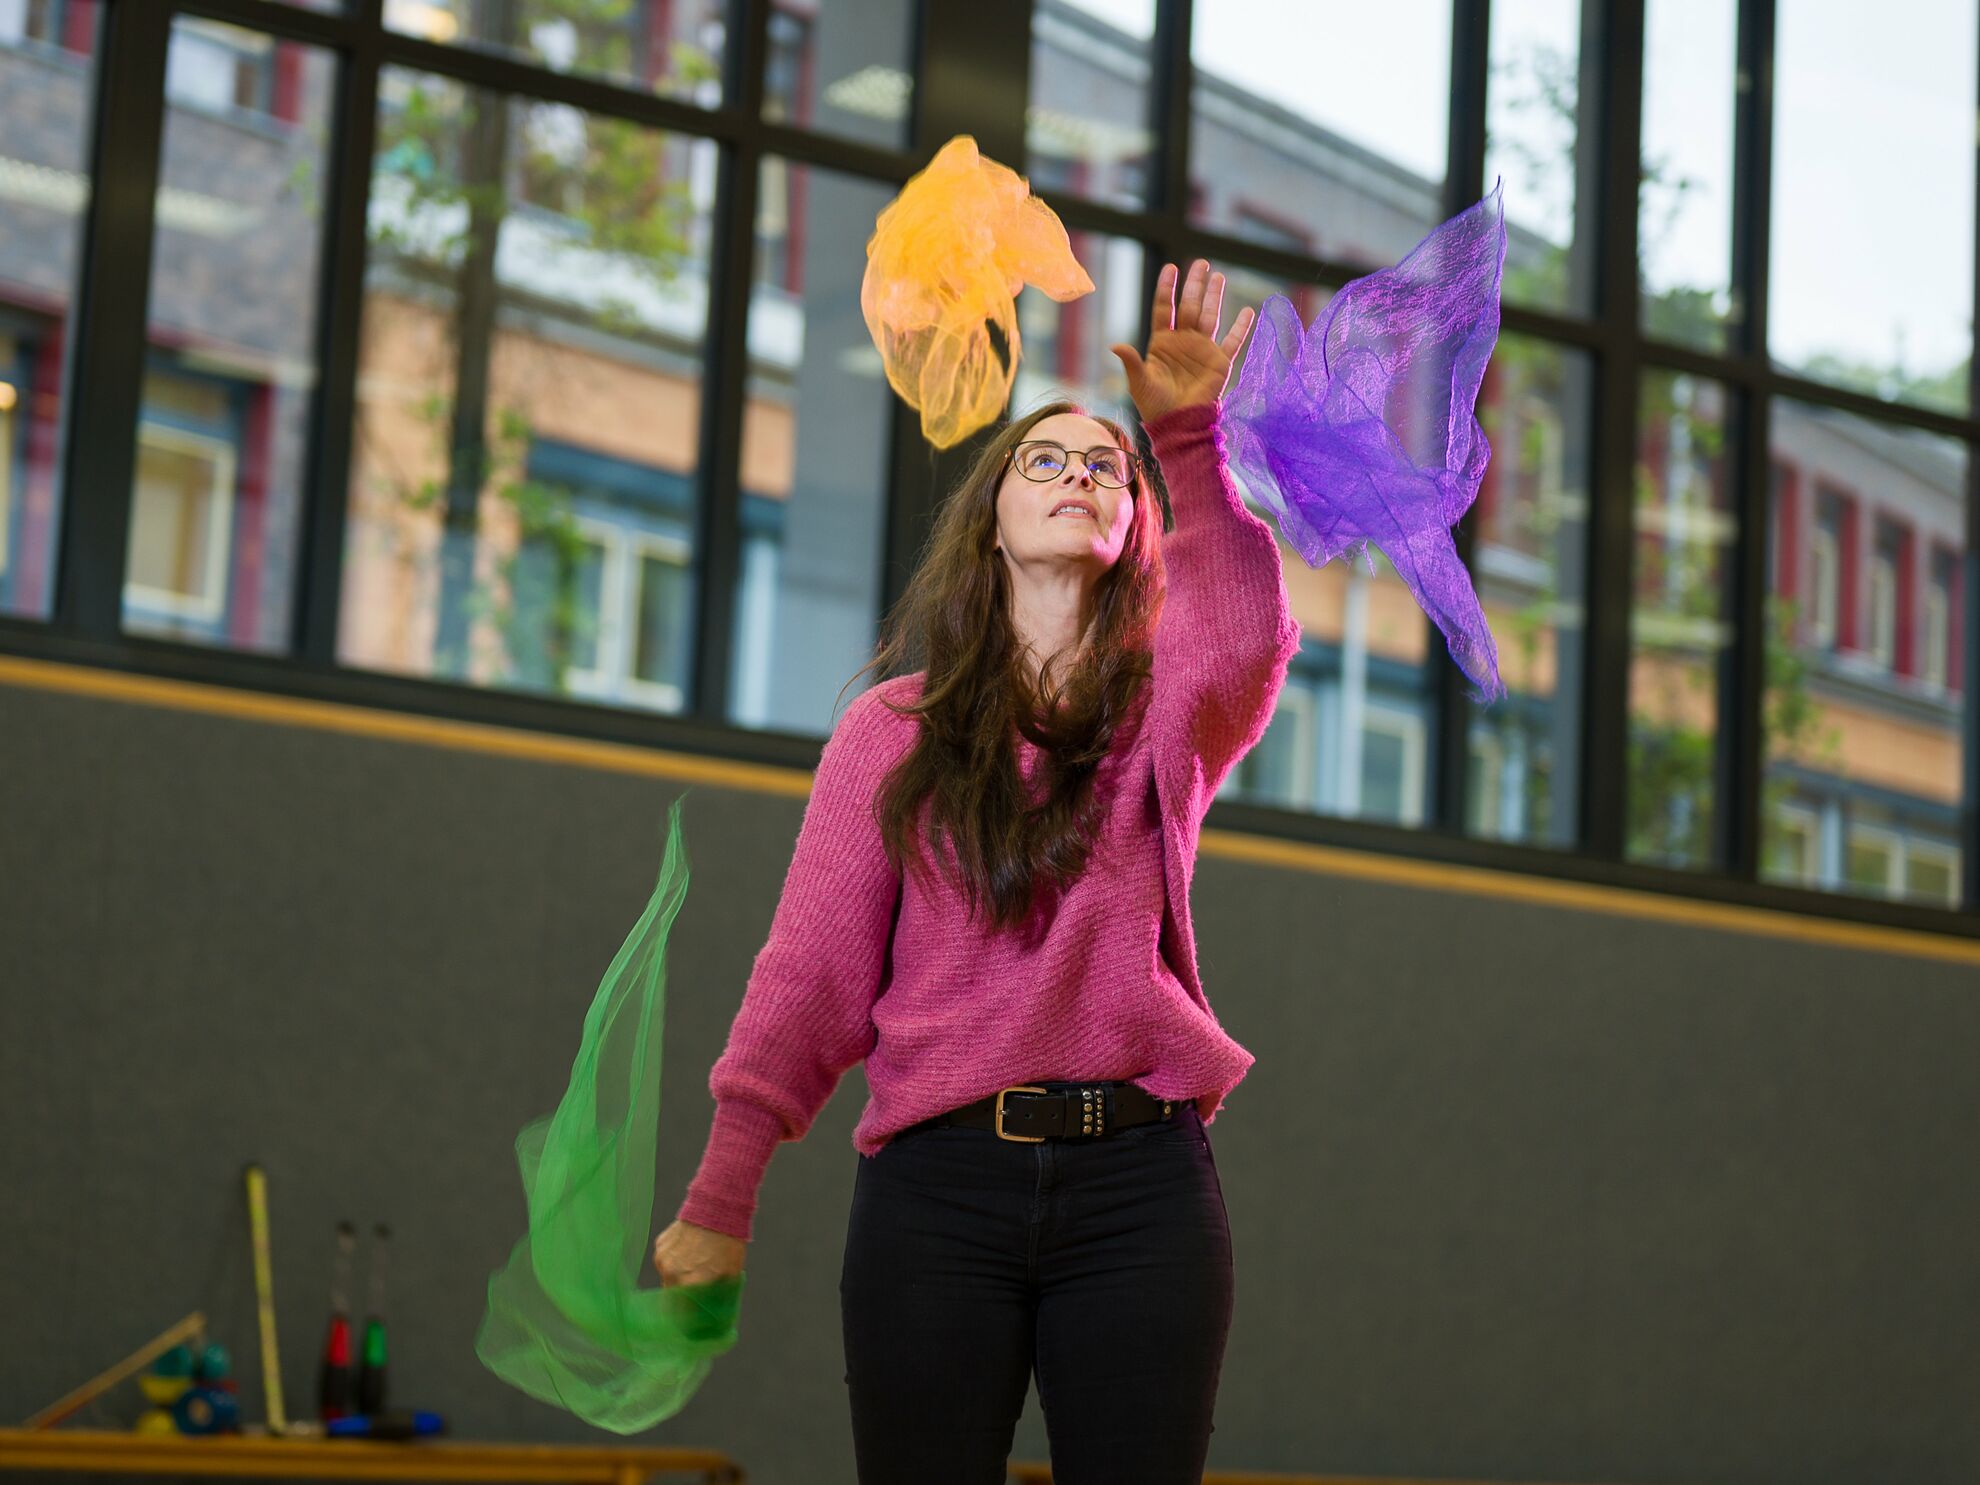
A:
[(1030, 1112)]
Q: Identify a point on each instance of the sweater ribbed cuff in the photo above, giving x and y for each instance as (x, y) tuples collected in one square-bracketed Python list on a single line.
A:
[(1178, 423), (722, 1195)]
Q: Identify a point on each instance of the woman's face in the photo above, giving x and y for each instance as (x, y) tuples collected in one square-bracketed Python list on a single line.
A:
[(1036, 521)]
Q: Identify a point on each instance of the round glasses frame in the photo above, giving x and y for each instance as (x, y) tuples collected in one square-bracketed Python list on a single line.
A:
[(1133, 462)]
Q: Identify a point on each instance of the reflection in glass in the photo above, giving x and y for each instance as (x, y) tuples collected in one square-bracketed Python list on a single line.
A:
[(1351, 169), (1684, 194), (47, 92), (523, 494), (222, 435), (842, 68), (1087, 127), (663, 46), (1533, 123), (814, 460), (1680, 627), (1871, 282), (1530, 524), (1866, 550), (1066, 346)]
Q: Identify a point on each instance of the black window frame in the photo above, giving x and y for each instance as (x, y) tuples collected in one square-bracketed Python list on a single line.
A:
[(971, 75)]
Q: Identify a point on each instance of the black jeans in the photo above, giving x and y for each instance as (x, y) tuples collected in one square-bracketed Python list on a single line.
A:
[(1102, 1265)]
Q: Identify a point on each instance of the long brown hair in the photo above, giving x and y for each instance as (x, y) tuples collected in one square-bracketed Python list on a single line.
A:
[(1011, 858)]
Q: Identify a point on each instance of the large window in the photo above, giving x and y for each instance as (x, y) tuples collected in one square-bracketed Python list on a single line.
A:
[(1680, 619), (1087, 126), (1865, 754), (1529, 564), (667, 46), (48, 64), (594, 436), (536, 274), (814, 457), (217, 500), (1685, 188), (1354, 164), (1534, 129), (841, 67), (1871, 280)]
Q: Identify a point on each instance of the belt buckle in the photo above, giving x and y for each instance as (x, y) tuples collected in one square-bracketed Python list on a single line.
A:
[(998, 1121)]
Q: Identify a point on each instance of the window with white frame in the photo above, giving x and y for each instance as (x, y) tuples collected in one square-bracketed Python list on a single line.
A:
[(182, 507), (635, 647), (219, 67), (1392, 755), (1280, 769), (1824, 583), (1883, 598), (1873, 859), (1794, 844), (1935, 614), (1931, 872), (31, 20)]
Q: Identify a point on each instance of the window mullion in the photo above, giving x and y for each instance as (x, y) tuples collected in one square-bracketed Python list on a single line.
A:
[(106, 377)]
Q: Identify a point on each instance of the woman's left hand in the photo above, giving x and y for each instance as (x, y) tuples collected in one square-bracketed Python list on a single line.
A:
[(1186, 363)]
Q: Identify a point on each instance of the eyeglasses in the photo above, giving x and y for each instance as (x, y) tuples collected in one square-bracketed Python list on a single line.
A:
[(1109, 465)]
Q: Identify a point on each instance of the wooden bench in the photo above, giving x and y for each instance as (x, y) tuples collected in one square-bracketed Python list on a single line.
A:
[(102, 1451), (1031, 1472)]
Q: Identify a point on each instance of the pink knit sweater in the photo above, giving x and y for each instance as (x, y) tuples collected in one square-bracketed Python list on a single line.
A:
[(859, 965)]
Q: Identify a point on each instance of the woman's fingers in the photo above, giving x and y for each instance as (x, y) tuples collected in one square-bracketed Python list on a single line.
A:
[(1230, 343), (1190, 309), (1164, 317), (1213, 305)]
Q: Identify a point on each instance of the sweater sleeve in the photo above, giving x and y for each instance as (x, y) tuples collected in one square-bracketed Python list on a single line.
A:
[(805, 1015), (1227, 634)]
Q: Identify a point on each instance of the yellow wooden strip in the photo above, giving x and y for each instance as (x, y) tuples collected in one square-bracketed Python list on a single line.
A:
[(1586, 897), (759, 778), (337, 716)]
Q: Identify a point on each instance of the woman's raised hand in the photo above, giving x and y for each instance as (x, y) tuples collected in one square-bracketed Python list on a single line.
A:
[(1185, 363)]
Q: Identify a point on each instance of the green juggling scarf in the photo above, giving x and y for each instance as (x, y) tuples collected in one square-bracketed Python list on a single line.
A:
[(568, 1321)]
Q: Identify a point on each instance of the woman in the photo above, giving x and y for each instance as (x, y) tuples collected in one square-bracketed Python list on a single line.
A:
[(1037, 1192)]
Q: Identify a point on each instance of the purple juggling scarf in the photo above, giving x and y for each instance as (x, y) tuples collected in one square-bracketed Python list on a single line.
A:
[(1361, 429)]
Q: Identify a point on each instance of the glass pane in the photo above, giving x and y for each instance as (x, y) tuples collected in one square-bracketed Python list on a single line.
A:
[(1680, 618), (1533, 123), (1087, 128), (1871, 284), (529, 392), (223, 433), (1867, 546), (1066, 346), (1345, 160), (1355, 721), (660, 657), (843, 68), (816, 430), (1528, 561), (47, 93), (662, 46), (1684, 195)]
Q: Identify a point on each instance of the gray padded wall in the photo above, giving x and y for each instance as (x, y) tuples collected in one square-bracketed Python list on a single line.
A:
[(1516, 1192)]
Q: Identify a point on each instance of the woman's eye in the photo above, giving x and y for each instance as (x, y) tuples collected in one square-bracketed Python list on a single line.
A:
[(1040, 460)]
